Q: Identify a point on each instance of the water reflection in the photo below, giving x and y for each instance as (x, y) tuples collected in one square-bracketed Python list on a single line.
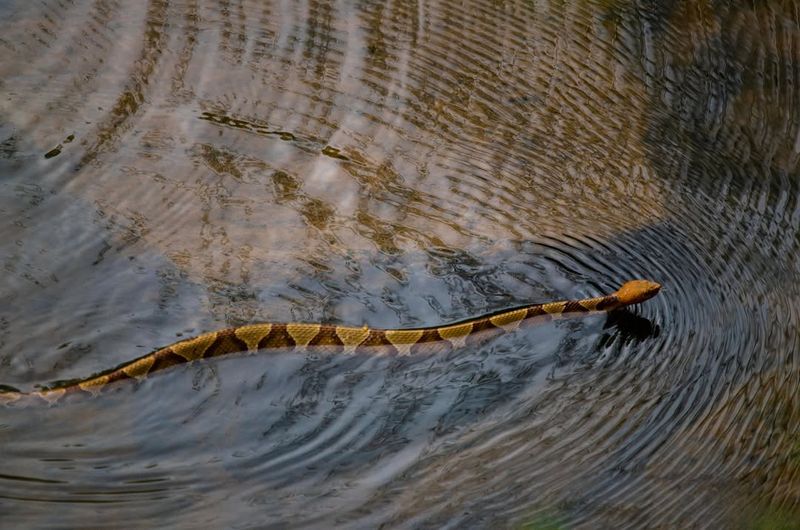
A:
[(176, 167)]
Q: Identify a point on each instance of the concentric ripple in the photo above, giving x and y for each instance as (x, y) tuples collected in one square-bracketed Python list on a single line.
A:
[(173, 167)]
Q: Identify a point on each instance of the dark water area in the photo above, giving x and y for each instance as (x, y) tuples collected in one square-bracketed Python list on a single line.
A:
[(169, 168)]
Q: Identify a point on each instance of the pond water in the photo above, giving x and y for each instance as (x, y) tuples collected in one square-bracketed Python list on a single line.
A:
[(174, 167)]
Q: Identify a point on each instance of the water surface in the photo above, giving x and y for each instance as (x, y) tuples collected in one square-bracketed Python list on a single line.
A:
[(170, 168)]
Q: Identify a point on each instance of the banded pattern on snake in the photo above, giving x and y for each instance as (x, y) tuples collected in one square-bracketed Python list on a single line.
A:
[(345, 339)]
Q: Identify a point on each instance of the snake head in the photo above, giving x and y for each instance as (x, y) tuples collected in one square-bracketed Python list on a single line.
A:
[(637, 291)]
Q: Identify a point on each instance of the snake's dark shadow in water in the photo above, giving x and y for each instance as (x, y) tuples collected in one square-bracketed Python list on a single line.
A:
[(628, 327)]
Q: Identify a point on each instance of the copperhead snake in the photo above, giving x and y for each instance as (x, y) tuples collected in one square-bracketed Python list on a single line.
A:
[(299, 337)]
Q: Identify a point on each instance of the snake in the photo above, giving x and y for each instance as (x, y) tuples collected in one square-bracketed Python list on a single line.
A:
[(301, 337)]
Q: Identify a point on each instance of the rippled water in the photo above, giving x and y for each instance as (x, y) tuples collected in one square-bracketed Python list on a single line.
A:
[(170, 168)]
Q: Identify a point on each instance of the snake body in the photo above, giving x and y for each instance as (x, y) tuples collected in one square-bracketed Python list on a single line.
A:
[(301, 336)]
